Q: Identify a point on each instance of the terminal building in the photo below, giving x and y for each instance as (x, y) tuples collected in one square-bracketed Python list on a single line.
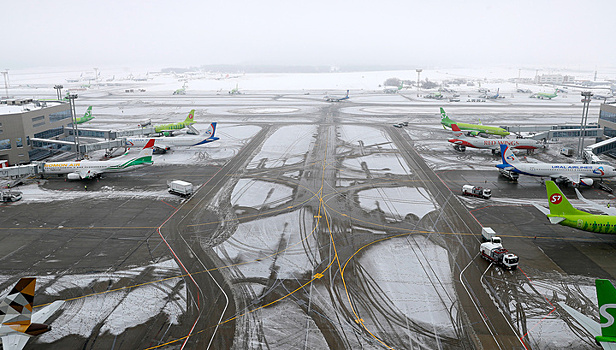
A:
[(24, 119)]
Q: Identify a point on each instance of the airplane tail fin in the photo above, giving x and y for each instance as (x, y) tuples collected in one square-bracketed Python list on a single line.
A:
[(606, 296), (559, 204), (16, 308), (443, 114), (145, 155), (88, 114), (347, 94), (456, 130), (191, 117), (507, 156), (209, 135)]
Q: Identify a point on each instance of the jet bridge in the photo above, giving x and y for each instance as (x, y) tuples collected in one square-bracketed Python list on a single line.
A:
[(21, 170)]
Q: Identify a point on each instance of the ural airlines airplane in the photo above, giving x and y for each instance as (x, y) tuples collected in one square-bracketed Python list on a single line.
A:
[(576, 174), (17, 322), (604, 333), (88, 169), (166, 142), (494, 144)]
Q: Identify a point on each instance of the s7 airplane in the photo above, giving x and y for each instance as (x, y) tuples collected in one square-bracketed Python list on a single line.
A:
[(475, 129), (604, 333), (170, 128), (89, 169), (17, 322), (562, 212), (576, 174)]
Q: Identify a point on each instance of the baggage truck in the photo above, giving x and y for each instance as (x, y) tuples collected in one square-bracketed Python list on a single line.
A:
[(181, 188)]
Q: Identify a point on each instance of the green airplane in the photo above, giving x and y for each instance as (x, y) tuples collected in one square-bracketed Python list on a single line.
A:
[(544, 95), (605, 331), (475, 129), (86, 117), (170, 128), (562, 212)]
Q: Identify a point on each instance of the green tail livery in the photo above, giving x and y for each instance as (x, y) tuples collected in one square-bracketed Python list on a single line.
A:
[(86, 117)]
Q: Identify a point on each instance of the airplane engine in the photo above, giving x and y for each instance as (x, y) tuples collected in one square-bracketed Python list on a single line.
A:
[(586, 181), (73, 176)]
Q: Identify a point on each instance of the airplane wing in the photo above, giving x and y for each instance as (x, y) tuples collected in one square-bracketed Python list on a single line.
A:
[(608, 346), (42, 315), (592, 327), (606, 210), (87, 173), (14, 341)]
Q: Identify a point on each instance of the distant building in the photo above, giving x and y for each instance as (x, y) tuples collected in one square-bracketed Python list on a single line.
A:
[(607, 119), (554, 79), (22, 119)]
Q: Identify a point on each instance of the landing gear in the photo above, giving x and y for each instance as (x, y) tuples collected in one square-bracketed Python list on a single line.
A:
[(459, 148)]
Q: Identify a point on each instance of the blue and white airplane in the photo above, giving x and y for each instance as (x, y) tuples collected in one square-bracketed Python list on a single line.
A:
[(166, 142), (575, 174)]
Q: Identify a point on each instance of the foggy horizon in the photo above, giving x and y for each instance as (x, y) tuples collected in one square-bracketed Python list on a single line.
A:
[(319, 33)]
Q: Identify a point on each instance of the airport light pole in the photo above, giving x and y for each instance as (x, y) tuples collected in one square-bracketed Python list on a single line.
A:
[(6, 84), (59, 91), (418, 74), (71, 100), (585, 107)]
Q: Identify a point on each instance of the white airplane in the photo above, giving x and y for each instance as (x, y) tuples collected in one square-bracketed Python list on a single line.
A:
[(166, 142), (87, 169), (463, 141), (337, 98), (604, 333), (17, 322), (596, 206), (576, 174)]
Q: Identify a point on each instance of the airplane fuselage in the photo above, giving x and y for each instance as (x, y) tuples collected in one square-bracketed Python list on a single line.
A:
[(99, 167), (492, 130), (562, 169), (591, 223), (495, 143), (169, 141)]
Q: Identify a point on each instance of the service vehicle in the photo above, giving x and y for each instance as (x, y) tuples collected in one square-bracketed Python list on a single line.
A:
[(494, 252), (10, 196), (181, 188), (476, 191)]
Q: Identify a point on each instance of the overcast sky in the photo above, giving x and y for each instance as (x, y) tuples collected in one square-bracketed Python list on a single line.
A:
[(415, 33)]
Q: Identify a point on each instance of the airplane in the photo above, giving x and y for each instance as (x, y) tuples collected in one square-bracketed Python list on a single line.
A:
[(337, 98), (493, 97), (88, 169), (605, 331), (168, 129), (166, 142), (475, 129), (235, 91), (462, 141), (562, 212), (544, 95), (17, 322), (86, 117), (576, 174)]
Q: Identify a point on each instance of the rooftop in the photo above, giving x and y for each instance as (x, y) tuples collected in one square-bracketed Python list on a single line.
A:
[(17, 105)]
